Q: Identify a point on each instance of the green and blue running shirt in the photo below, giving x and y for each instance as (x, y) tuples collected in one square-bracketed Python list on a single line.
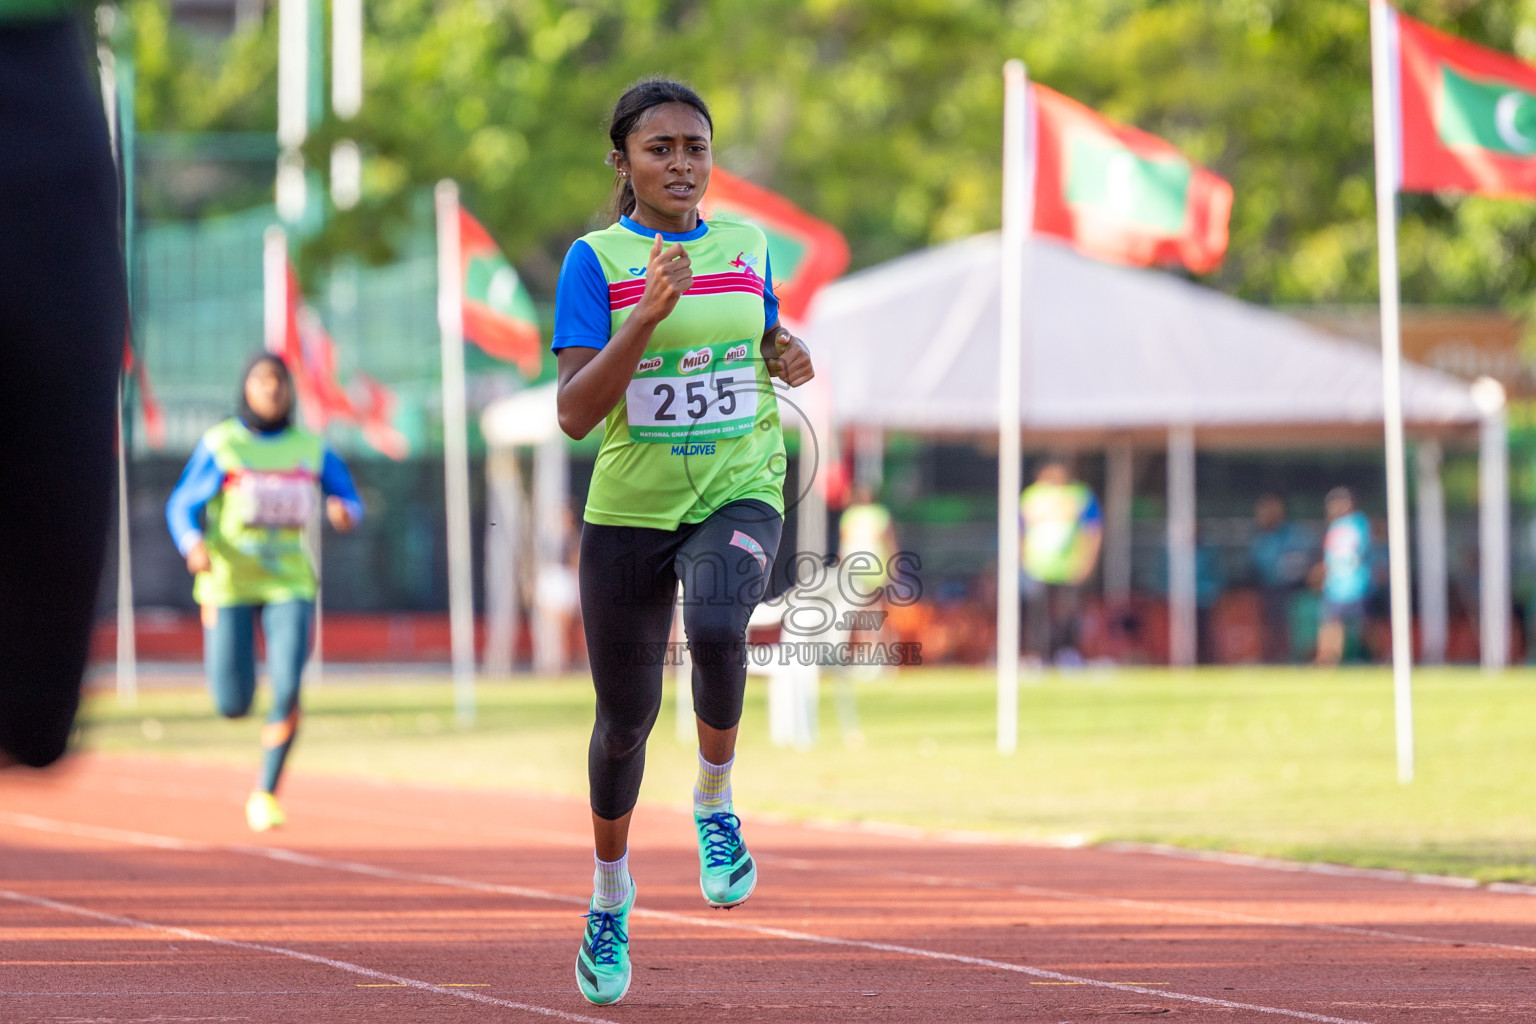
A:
[(699, 424), (255, 491)]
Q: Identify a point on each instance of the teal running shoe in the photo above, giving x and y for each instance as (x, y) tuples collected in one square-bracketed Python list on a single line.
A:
[(602, 966), (727, 873)]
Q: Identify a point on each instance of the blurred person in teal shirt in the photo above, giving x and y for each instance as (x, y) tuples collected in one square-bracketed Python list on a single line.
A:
[(1346, 575), (1281, 553)]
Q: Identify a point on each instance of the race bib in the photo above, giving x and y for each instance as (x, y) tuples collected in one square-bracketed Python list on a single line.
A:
[(701, 394), (276, 499)]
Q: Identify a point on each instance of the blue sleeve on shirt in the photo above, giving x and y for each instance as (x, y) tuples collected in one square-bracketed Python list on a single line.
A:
[(199, 482), (1093, 515), (582, 315), (336, 481), (770, 300)]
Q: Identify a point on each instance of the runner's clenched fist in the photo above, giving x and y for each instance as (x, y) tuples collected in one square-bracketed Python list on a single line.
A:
[(788, 358), (668, 276)]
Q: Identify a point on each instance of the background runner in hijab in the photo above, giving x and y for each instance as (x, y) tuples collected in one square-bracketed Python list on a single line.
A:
[(253, 481)]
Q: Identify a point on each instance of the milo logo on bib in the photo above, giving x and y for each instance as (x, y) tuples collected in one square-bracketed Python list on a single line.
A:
[(689, 395)]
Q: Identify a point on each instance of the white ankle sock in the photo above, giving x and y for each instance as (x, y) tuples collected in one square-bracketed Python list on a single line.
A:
[(611, 881), (713, 787)]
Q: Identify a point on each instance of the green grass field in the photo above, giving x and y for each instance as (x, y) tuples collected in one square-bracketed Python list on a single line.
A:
[(1296, 764)]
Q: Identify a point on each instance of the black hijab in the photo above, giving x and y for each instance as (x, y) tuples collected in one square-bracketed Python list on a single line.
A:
[(248, 415)]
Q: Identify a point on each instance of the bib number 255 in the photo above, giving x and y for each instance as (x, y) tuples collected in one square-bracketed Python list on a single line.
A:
[(692, 408)]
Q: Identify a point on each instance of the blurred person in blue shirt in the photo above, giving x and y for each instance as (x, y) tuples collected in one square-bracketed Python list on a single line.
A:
[(1346, 574), (1281, 552)]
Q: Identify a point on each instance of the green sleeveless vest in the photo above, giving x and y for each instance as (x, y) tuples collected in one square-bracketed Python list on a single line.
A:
[(254, 525), (1052, 549), (699, 424)]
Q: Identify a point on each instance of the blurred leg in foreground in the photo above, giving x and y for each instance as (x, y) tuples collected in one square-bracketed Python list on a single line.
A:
[(61, 337)]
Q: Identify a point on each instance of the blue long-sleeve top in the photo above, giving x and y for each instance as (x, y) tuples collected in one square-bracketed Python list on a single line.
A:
[(202, 479)]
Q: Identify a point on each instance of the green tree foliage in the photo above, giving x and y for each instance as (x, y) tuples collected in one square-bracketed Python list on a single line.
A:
[(882, 116)]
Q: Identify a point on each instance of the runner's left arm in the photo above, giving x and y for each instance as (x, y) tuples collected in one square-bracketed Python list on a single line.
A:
[(336, 484), (787, 356)]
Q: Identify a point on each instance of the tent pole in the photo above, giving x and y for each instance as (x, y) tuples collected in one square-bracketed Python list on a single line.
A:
[(1385, 110), (1433, 612), (1493, 523), (502, 494), (811, 513), (450, 319), (1183, 640), (1119, 483), (869, 457), (1017, 216), (550, 483)]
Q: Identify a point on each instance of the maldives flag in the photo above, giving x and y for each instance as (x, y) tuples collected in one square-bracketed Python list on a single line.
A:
[(498, 311), (1120, 194), (311, 357), (806, 253), (1466, 114), (375, 405)]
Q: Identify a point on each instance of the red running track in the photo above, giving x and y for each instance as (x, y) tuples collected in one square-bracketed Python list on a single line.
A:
[(130, 891)]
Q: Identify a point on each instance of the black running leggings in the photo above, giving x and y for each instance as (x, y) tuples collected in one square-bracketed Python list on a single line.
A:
[(63, 310), (629, 578)]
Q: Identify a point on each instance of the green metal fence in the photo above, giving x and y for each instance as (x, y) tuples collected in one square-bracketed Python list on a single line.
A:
[(198, 317)]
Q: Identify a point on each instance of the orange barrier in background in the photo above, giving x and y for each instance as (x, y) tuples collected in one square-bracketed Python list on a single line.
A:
[(392, 637)]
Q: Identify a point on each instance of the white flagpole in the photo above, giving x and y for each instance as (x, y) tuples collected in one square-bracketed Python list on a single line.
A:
[(1388, 146), (274, 288), (127, 651), (315, 528), (450, 319), (1018, 211), (274, 324), (293, 57), (346, 98)]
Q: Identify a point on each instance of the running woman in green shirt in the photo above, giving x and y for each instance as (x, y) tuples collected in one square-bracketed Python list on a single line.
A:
[(667, 334), (253, 480)]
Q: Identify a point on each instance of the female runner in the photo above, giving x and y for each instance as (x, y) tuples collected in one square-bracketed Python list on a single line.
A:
[(659, 321), (254, 476)]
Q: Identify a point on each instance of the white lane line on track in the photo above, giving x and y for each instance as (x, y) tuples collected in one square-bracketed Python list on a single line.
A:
[(1227, 915), (376, 871), (957, 837), (41, 824), (295, 954), (1249, 860)]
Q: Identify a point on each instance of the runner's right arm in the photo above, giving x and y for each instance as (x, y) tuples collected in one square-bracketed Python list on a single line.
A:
[(593, 375), (199, 482)]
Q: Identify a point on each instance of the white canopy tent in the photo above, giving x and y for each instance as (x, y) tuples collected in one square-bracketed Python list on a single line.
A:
[(1119, 356), (513, 537)]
